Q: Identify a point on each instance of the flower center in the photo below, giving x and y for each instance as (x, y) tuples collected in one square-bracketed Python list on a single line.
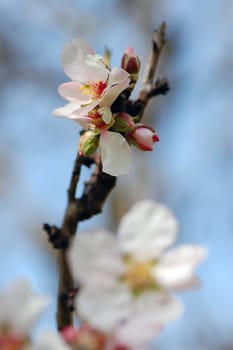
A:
[(101, 118), (94, 89), (138, 275), (96, 119)]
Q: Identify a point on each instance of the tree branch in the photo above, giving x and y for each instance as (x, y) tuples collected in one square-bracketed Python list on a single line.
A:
[(149, 87), (158, 41), (89, 204)]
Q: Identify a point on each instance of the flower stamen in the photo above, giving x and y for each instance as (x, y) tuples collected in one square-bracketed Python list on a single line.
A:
[(138, 274), (95, 89)]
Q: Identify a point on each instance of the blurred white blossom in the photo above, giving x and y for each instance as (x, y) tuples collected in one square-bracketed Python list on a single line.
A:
[(126, 278), (20, 307)]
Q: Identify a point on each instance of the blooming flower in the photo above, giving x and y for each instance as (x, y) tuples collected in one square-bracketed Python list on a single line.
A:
[(19, 309), (93, 90), (126, 278), (93, 83)]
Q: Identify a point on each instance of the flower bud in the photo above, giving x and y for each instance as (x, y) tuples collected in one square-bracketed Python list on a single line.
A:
[(130, 62), (88, 143), (123, 123), (143, 137)]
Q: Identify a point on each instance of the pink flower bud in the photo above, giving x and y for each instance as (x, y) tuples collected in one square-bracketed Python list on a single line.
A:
[(130, 62), (143, 137)]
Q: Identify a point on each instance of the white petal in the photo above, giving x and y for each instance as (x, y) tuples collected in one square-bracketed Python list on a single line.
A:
[(104, 308), (176, 268), (159, 308), (106, 114), (71, 92), (20, 299), (96, 69), (73, 59), (95, 258), (118, 75), (147, 229), (151, 311), (66, 110), (84, 110), (50, 341), (136, 333), (118, 82), (115, 153)]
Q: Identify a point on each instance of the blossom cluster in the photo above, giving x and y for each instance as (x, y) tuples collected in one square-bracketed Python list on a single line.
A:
[(125, 281), (91, 94)]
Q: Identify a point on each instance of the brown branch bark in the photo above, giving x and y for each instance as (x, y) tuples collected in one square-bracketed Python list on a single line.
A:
[(150, 87), (68, 229), (95, 192), (158, 41)]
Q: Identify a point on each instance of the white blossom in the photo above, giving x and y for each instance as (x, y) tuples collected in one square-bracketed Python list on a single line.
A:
[(90, 95), (93, 83), (20, 307), (126, 279)]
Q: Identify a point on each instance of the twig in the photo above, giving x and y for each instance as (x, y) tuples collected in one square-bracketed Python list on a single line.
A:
[(68, 229), (95, 193), (149, 87), (158, 42), (90, 203)]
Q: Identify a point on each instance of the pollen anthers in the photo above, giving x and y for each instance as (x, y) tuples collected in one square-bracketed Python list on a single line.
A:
[(138, 274), (96, 119), (94, 89)]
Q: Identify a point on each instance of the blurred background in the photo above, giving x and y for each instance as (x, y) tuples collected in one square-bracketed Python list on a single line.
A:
[(191, 168)]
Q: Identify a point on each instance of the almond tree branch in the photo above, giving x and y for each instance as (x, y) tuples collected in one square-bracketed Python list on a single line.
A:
[(68, 229), (150, 87), (90, 203), (100, 184), (158, 41)]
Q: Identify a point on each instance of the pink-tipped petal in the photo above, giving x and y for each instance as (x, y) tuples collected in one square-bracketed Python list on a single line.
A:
[(71, 92), (113, 92), (66, 110)]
